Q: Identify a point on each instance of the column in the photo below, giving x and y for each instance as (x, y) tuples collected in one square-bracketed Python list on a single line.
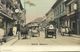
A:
[(58, 22), (5, 28)]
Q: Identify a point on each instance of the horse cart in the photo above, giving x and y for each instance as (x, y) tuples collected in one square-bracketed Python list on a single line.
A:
[(50, 32), (35, 31)]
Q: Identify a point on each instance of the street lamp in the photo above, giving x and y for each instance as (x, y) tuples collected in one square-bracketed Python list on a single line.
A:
[(17, 11)]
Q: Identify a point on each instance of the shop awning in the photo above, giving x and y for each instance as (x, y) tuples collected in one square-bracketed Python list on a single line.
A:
[(4, 15)]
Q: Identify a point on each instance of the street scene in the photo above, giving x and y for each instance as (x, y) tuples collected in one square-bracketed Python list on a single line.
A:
[(32, 22), (60, 40)]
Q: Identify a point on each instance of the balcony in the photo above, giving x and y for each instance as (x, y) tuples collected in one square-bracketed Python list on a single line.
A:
[(5, 11), (71, 13)]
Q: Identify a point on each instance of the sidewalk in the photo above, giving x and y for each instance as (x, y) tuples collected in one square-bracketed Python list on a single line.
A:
[(9, 38), (10, 41), (73, 35)]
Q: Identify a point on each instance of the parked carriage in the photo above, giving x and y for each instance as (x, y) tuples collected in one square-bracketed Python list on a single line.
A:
[(24, 31), (35, 30), (50, 32)]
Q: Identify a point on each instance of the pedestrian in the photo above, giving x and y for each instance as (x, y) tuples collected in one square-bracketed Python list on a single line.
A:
[(18, 31), (62, 31), (69, 32), (10, 32), (14, 30), (30, 31), (25, 32), (22, 30)]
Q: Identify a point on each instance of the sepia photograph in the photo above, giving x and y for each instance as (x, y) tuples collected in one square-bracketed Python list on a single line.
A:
[(39, 25)]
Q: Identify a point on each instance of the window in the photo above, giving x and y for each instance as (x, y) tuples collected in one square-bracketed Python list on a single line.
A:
[(60, 9), (69, 8), (75, 6), (1, 23), (3, 1), (63, 7)]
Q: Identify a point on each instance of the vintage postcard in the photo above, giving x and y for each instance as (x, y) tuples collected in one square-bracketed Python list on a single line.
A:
[(39, 25)]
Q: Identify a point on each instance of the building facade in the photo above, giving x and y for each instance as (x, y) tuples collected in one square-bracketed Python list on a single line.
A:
[(59, 10), (73, 15), (57, 13), (23, 17), (7, 14), (66, 13)]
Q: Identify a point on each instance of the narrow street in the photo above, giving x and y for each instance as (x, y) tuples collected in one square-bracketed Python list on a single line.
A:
[(60, 40), (39, 23)]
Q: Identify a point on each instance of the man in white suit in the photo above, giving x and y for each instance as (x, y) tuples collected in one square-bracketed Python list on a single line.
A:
[(14, 30)]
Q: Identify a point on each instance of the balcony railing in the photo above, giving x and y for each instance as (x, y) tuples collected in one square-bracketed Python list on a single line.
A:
[(5, 10)]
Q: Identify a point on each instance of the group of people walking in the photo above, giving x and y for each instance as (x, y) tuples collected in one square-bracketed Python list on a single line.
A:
[(65, 30), (21, 31)]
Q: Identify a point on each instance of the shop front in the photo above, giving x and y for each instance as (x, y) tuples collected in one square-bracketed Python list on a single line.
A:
[(72, 23), (7, 23)]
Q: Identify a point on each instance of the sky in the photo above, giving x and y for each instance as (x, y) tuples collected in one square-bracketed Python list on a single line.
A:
[(39, 10)]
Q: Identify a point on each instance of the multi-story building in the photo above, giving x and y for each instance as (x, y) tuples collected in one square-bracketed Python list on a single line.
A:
[(59, 11), (66, 13), (7, 13), (73, 15)]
